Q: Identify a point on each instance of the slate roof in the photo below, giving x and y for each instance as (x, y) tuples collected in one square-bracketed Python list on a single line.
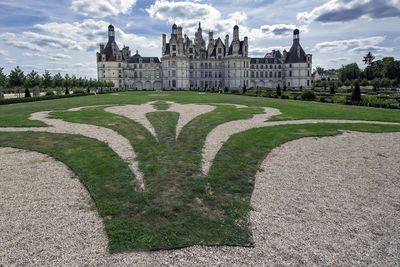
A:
[(263, 60), (293, 56), (136, 59), (108, 51), (240, 48), (214, 52)]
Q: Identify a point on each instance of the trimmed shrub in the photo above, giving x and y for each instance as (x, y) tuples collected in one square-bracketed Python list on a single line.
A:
[(356, 93), (27, 93), (34, 99), (308, 95)]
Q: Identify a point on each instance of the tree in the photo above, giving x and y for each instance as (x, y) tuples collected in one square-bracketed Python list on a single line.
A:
[(332, 88), (33, 79), (67, 83), (368, 59), (46, 80), (3, 79), (278, 90), (58, 80), (349, 72), (16, 78), (356, 94), (376, 83)]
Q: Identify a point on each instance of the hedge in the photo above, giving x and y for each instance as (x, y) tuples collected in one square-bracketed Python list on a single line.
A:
[(38, 98)]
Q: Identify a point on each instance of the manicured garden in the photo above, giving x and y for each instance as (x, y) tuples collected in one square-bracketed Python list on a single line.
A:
[(179, 206)]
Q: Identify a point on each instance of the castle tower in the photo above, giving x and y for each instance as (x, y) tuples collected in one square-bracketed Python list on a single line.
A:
[(111, 33)]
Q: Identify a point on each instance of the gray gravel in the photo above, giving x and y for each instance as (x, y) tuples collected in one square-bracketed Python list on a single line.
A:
[(326, 201)]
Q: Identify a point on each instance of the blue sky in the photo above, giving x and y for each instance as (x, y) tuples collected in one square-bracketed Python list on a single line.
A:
[(63, 35)]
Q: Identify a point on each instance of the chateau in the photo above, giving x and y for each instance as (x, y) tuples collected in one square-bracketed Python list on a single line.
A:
[(187, 64)]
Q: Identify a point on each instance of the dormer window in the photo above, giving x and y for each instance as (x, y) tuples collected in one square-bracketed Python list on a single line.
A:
[(219, 50), (174, 48)]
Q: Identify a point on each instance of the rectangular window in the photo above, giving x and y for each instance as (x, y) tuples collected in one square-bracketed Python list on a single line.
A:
[(290, 73), (219, 50), (174, 48)]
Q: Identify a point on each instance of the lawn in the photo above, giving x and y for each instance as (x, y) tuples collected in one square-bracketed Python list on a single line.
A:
[(179, 207)]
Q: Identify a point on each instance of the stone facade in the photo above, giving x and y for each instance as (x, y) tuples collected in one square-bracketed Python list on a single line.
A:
[(126, 71), (188, 64)]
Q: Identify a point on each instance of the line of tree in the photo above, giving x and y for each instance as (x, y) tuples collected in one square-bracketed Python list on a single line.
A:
[(17, 81), (382, 73)]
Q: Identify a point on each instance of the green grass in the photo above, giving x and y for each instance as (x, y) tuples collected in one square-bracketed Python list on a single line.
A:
[(178, 207), (18, 114)]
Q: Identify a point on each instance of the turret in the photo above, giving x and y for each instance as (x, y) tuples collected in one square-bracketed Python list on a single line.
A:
[(296, 35), (236, 33), (111, 33), (174, 29)]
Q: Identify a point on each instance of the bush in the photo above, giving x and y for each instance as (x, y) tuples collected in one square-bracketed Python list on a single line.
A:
[(49, 93), (339, 99), (308, 95), (369, 100), (78, 91)]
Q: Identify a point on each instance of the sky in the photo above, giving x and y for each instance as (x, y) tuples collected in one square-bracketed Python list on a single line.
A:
[(64, 35)]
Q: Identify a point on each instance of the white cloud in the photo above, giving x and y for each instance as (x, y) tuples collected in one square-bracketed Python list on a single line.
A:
[(11, 60), (28, 54), (183, 12), (3, 52), (348, 10), (348, 45), (102, 8), (89, 33), (338, 60), (188, 15)]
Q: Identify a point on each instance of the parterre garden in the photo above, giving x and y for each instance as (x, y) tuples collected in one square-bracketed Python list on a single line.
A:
[(180, 206)]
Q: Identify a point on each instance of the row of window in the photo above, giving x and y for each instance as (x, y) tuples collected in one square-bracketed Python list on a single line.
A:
[(261, 74), (266, 66), (140, 66)]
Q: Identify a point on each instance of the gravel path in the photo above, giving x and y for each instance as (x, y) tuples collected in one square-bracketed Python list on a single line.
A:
[(114, 140), (220, 134), (320, 201), (187, 112), (136, 113)]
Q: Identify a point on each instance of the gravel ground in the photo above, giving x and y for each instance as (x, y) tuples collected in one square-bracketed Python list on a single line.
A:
[(188, 112), (137, 113), (318, 201), (220, 134), (114, 140)]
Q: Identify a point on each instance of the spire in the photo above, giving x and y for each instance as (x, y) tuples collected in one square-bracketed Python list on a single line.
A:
[(199, 25)]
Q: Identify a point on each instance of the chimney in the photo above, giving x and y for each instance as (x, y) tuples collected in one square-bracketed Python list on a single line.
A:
[(227, 43), (101, 48), (180, 32), (210, 37)]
